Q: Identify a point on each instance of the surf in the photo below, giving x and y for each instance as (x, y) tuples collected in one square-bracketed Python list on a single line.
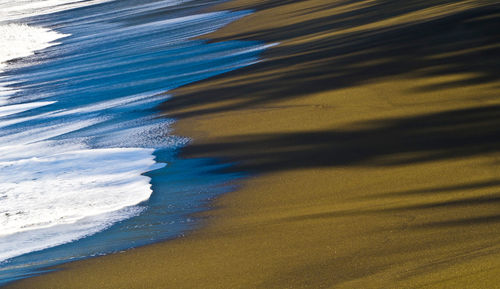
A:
[(80, 133)]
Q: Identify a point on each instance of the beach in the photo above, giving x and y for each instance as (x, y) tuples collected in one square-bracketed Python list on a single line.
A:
[(370, 134)]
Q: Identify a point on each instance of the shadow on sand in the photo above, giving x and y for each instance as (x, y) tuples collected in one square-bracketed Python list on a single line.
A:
[(465, 43), (451, 134)]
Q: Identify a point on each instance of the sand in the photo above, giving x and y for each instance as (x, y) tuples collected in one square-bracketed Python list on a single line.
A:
[(372, 135)]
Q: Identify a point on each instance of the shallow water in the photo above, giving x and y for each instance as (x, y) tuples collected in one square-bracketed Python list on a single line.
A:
[(87, 164)]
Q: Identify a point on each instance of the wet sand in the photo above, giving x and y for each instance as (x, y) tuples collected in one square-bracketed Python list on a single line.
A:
[(372, 135)]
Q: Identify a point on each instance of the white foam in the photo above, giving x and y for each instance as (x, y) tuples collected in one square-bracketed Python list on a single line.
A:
[(45, 184), (16, 108), (20, 40), (71, 168), (64, 188), (39, 239), (56, 191)]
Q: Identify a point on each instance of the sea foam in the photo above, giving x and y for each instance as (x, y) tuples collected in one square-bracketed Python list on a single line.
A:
[(49, 180), (56, 191), (21, 40), (79, 127)]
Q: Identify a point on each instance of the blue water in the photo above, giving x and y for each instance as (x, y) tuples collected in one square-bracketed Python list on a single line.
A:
[(101, 87)]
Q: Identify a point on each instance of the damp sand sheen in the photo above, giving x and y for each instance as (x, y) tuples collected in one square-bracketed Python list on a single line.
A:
[(373, 142)]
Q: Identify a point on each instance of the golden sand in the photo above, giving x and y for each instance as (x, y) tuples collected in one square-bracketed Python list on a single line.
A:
[(373, 132)]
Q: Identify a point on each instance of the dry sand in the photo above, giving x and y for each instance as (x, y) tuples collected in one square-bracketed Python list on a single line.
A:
[(373, 133)]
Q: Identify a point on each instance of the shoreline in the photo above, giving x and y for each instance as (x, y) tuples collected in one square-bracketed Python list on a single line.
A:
[(180, 189), (376, 154)]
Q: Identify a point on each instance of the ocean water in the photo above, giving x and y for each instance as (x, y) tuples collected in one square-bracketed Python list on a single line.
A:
[(88, 165)]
